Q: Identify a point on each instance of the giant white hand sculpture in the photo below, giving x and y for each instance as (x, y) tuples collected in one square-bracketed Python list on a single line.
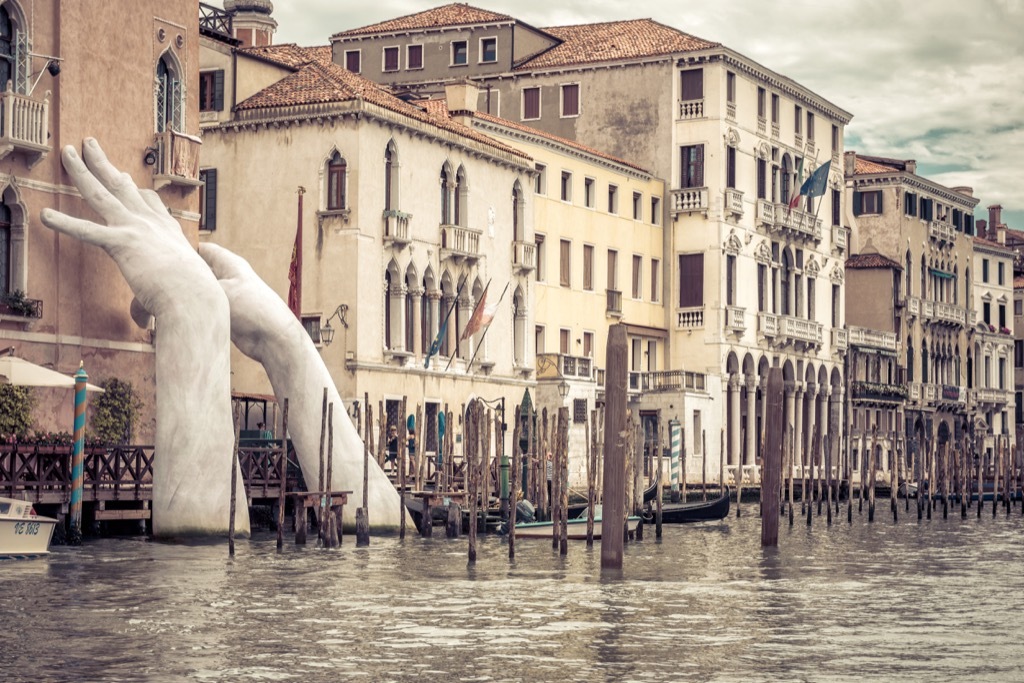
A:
[(194, 433), (265, 329)]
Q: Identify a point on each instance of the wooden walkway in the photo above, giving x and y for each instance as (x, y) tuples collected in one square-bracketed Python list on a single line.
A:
[(41, 473)]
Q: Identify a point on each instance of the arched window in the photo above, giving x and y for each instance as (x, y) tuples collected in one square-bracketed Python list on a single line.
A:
[(461, 195), (169, 110), (391, 189), (517, 214), (786, 170), (6, 266), (924, 362), (410, 308), (519, 328), (7, 48), (337, 182), (785, 275), (909, 274), (387, 309), (427, 322), (446, 195), (910, 360)]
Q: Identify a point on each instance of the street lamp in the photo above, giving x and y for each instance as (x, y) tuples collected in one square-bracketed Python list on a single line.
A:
[(327, 332), (563, 389)]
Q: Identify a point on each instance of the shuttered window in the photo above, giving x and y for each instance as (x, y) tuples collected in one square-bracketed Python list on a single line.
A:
[(208, 199), (730, 167), (352, 61), (762, 179), (692, 166), (211, 90), (588, 267), (531, 103), (637, 277), (414, 57), (391, 59), (571, 100), (613, 270), (691, 280), (565, 263), (867, 202), (692, 84), (336, 169)]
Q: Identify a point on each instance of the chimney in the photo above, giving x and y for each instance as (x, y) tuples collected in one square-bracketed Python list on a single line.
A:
[(910, 165), (1001, 234), (981, 228), (995, 215), (965, 190), (849, 163), (251, 22), (462, 97)]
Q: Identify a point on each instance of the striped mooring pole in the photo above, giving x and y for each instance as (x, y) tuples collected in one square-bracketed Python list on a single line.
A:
[(78, 457), (675, 431)]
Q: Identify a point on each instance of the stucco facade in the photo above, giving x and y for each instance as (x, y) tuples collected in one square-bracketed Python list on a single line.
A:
[(109, 94), (385, 262)]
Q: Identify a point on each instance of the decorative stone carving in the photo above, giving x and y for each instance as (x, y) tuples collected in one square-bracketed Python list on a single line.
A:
[(732, 244)]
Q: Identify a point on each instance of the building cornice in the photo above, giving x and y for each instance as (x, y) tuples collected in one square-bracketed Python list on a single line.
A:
[(321, 113), (902, 178), (399, 33)]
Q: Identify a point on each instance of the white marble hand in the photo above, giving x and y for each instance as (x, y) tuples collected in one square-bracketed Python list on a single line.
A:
[(194, 432), (265, 329)]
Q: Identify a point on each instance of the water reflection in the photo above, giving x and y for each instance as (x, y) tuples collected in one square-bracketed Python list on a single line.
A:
[(935, 600)]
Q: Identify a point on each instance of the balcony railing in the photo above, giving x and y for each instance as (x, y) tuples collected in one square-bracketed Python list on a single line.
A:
[(734, 201), (797, 222), (927, 309), (17, 306), (877, 391), (735, 319), (800, 330), (553, 365), (214, 20), (691, 109), (992, 396), (931, 393), (524, 256), (25, 125), (840, 339), (775, 129), (689, 200), (667, 380), (913, 306), (941, 230), (690, 318), (839, 237), (177, 160), (914, 392), (762, 125), (950, 314), (768, 324), (396, 227), (614, 302), (459, 243), (730, 110), (765, 213), (862, 336)]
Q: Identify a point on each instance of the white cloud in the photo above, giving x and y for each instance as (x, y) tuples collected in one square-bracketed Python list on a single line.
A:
[(938, 81)]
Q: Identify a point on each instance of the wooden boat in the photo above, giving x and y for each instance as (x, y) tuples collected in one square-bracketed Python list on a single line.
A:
[(578, 508), (23, 533), (576, 529), (695, 511)]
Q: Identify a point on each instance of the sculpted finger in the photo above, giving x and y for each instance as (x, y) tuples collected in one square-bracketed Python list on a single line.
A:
[(119, 184), (87, 231), (154, 202), (223, 262), (95, 194)]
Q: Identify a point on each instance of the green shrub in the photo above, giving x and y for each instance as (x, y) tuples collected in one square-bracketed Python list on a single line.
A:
[(115, 412), (15, 410)]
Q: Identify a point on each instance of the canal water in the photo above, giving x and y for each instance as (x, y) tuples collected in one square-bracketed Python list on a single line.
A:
[(937, 601)]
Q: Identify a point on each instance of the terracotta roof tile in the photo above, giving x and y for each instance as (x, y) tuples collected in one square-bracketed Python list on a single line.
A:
[(320, 83), (587, 43), (455, 14), (991, 243), (865, 166), (555, 138), (290, 54), (858, 261)]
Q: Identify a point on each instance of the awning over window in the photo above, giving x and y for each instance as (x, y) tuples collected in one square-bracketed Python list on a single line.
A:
[(940, 273)]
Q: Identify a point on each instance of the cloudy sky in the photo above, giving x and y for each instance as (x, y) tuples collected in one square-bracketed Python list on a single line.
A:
[(940, 81)]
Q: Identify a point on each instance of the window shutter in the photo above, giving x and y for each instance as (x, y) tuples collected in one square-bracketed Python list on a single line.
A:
[(698, 174), (693, 84), (210, 217), (218, 90), (858, 203), (691, 280)]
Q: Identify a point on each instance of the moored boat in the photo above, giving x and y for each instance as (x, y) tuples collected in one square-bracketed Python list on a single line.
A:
[(576, 529), (695, 511), (23, 533)]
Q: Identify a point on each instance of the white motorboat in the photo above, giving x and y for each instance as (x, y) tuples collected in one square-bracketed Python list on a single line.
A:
[(23, 533)]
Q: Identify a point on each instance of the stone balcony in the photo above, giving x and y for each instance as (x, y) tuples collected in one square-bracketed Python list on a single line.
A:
[(691, 109), (177, 160), (25, 122), (396, 227), (949, 314), (689, 200), (735, 319), (840, 339), (690, 318), (991, 396), (555, 365), (524, 256), (862, 336), (786, 329), (460, 243), (942, 231), (734, 201), (839, 237), (765, 213), (796, 223)]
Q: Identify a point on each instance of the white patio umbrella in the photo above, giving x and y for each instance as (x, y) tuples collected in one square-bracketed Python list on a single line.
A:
[(20, 372)]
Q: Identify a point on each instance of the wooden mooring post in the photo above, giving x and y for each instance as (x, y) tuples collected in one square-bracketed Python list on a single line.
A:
[(591, 477), (471, 439), (402, 447), (234, 480), (283, 469), (771, 469), (363, 513), (515, 481), (659, 493), (320, 481), (563, 476), (615, 428)]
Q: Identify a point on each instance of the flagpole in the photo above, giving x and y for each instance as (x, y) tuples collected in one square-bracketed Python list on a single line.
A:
[(484, 335), (458, 338), (455, 302)]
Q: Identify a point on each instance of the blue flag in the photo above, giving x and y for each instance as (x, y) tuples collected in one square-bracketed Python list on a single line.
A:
[(435, 346), (817, 182)]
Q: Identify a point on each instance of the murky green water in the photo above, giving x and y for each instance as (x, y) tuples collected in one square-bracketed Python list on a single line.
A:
[(936, 601)]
